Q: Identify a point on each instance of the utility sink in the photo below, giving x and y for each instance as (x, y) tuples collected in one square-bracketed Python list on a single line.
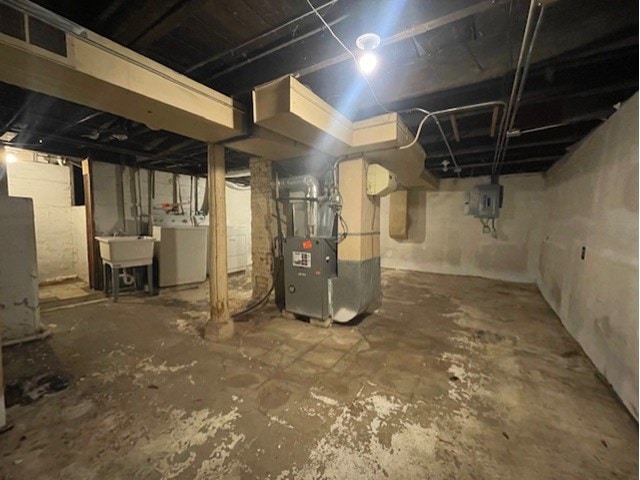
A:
[(127, 251)]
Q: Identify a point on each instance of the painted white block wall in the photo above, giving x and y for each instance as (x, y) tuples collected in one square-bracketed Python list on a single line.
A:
[(49, 186), (593, 203), (444, 240)]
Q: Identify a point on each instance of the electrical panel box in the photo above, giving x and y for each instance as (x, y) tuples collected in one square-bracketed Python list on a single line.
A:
[(484, 201), (308, 265)]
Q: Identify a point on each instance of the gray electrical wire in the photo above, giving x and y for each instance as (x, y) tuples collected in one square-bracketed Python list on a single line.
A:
[(385, 109), (428, 115)]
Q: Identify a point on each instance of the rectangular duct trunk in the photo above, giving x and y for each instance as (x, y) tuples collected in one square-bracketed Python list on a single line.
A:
[(91, 70)]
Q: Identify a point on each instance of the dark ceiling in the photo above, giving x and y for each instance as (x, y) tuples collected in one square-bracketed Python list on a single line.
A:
[(585, 62)]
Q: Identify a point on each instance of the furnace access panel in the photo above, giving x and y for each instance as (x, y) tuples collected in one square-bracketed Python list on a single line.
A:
[(308, 265)]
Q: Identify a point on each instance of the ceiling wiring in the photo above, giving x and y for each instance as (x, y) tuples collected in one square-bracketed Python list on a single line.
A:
[(355, 59), (377, 100)]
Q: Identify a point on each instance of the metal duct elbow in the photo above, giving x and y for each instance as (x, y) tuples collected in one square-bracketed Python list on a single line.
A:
[(313, 187)]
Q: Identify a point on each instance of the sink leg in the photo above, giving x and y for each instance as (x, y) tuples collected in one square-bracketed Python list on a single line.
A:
[(115, 282), (150, 278), (105, 285)]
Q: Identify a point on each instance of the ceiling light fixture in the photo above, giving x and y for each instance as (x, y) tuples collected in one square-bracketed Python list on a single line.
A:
[(367, 60)]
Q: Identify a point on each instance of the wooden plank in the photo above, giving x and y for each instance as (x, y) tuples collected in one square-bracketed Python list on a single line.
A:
[(219, 325), (93, 250)]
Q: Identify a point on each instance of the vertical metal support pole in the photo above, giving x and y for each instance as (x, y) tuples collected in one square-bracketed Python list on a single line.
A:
[(105, 282), (115, 282), (150, 278)]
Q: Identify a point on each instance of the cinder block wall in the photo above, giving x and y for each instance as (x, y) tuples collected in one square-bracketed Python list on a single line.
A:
[(60, 237), (442, 239)]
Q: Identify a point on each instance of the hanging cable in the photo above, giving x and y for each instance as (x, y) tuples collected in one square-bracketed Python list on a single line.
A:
[(419, 131), (276, 250), (355, 59), (385, 109), (428, 115)]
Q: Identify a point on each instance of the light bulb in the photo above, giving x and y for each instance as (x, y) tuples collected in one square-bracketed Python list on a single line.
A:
[(10, 158), (367, 62)]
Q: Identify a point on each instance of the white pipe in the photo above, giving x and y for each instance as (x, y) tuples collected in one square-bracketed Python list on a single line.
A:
[(525, 73), (448, 111), (527, 45), (127, 278)]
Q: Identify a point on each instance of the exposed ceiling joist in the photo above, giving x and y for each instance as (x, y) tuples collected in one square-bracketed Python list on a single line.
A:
[(409, 33)]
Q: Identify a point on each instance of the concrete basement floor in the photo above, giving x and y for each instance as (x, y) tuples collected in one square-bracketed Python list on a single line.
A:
[(454, 377)]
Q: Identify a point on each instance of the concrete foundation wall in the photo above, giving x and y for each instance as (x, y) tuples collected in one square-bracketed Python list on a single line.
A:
[(593, 205), (49, 186), (442, 239)]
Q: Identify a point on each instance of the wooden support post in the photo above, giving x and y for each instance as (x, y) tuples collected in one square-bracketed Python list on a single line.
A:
[(220, 325), (93, 250)]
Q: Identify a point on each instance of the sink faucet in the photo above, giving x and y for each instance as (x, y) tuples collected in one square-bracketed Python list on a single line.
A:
[(118, 233)]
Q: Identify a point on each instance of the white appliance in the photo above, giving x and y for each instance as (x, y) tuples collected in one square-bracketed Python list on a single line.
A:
[(237, 248), (182, 254)]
